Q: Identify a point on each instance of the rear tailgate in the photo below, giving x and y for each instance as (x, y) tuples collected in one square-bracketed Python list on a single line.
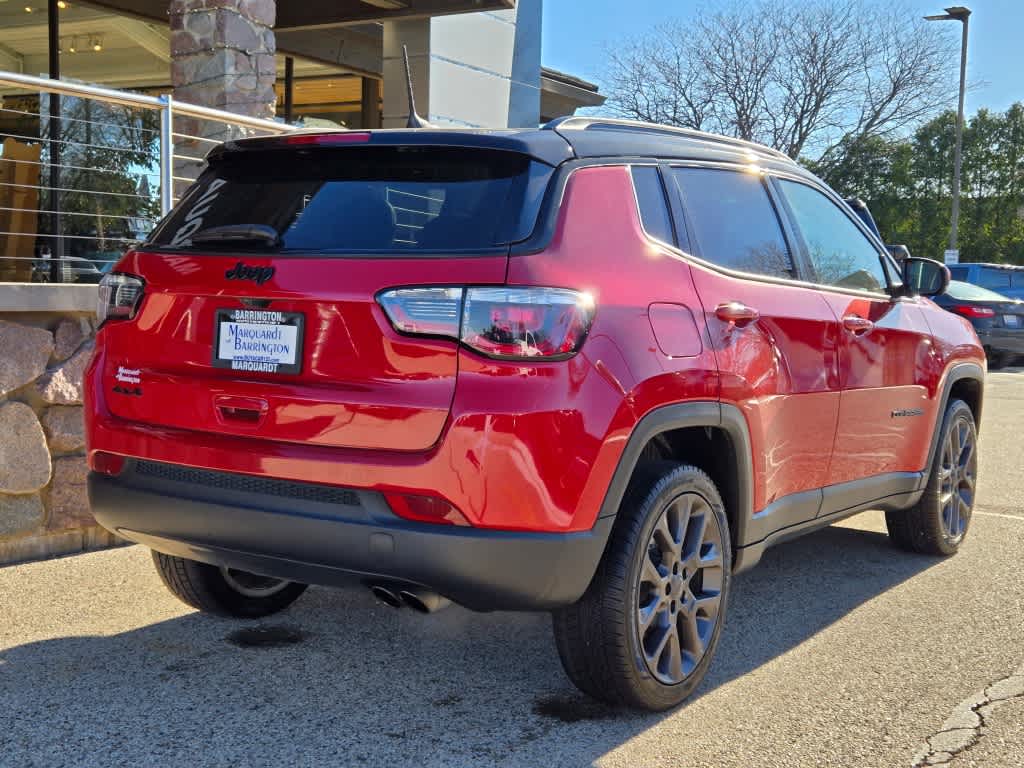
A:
[(288, 342)]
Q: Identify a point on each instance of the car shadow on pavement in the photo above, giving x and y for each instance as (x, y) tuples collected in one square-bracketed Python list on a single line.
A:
[(341, 680)]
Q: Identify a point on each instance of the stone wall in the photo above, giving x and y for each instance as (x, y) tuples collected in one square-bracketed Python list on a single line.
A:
[(44, 509)]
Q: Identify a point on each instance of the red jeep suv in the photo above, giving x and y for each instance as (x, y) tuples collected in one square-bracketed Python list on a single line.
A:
[(594, 368)]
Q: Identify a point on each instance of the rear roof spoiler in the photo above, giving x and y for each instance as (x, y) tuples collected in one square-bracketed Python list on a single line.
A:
[(546, 146)]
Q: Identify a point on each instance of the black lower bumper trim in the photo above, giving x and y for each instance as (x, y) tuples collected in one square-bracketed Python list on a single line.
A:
[(319, 543)]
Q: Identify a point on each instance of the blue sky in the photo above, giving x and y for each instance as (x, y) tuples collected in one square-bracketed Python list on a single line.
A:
[(574, 31)]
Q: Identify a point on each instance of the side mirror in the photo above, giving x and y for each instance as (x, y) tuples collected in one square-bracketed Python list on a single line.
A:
[(924, 277)]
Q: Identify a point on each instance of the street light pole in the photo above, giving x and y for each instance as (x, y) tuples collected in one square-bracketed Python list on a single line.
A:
[(961, 14)]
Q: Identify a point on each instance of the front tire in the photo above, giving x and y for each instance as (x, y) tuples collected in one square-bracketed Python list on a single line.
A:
[(225, 591), (645, 632), (938, 523)]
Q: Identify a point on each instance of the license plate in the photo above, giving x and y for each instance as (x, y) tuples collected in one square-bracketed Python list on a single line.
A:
[(258, 340), (1011, 321)]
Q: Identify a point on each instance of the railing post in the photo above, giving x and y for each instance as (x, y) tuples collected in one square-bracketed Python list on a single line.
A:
[(166, 154)]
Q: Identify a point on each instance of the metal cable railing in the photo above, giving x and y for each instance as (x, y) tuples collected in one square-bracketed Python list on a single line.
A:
[(79, 186)]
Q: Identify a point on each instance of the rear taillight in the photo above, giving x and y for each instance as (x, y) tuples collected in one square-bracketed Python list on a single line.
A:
[(119, 297), (968, 310), (501, 322)]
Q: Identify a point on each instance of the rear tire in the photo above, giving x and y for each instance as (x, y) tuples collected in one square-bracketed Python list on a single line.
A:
[(938, 523), (225, 592), (645, 631), (996, 360)]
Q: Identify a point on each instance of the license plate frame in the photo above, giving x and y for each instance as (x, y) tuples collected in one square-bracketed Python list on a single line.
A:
[(260, 318)]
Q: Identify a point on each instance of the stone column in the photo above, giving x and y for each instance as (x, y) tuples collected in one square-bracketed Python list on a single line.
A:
[(222, 56)]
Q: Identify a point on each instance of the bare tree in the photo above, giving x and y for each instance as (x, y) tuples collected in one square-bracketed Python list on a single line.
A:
[(808, 78)]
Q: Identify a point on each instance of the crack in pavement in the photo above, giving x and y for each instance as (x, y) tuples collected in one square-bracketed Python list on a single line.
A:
[(969, 721)]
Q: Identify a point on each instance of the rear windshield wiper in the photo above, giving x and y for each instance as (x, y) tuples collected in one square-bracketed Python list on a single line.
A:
[(238, 233)]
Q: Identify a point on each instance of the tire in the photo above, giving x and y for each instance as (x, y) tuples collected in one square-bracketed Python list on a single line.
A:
[(938, 523), (604, 647), (996, 360), (224, 592)]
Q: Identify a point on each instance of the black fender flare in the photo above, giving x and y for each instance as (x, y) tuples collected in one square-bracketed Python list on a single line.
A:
[(956, 372), (705, 413)]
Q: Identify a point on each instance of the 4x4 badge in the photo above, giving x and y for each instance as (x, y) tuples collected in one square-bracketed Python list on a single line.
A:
[(244, 272)]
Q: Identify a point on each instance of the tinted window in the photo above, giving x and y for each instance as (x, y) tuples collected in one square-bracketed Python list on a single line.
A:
[(970, 292), (994, 278), (363, 199), (841, 254), (733, 221), (650, 196)]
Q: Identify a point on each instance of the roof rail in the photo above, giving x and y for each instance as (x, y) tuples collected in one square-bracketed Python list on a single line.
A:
[(577, 123)]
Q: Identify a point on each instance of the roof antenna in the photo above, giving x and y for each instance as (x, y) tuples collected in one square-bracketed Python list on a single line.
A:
[(415, 121)]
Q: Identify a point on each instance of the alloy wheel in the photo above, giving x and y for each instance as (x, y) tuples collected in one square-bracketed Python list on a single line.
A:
[(957, 478), (679, 592)]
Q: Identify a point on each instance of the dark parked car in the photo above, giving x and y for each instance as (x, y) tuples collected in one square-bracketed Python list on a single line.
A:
[(1006, 279), (997, 319)]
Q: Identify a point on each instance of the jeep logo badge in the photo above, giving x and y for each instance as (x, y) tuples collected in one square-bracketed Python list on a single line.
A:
[(244, 272)]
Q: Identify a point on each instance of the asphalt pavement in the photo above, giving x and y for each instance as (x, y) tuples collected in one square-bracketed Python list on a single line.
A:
[(838, 651)]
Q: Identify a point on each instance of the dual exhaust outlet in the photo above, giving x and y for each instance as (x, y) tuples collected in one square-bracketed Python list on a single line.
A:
[(419, 600)]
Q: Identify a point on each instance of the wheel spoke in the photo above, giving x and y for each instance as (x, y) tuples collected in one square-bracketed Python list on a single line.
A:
[(654, 656), (666, 540), (708, 605), (954, 443), (695, 533), (675, 654), (648, 613), (693, 641), (712, 558), (966, 452), (650, 573)]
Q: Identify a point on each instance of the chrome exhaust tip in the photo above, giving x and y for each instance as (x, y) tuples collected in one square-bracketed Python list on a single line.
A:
[(423, 600), (386, 595)]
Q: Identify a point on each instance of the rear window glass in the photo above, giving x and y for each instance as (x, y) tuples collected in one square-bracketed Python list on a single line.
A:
[(362, 199), (970, 292)]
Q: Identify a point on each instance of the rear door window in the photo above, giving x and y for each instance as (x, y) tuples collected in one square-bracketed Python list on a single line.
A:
[(733, 221), (408, 199), (842, 255)]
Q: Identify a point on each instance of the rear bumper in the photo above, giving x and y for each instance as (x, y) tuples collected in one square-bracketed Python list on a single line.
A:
[(328, 535), (1001, 340)]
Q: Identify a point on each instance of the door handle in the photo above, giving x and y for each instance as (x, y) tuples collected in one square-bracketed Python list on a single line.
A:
[(737, 313), (857, 325)]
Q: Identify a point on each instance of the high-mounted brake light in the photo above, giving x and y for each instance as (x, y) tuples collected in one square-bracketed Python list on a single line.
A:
[(347, 137), (968, 310), (119, 297), (500, 322)]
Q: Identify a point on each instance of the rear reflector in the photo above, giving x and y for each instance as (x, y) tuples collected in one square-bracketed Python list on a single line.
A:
[(106, 463), (348, 137), (500, 322), (424, 509), (968, 310)]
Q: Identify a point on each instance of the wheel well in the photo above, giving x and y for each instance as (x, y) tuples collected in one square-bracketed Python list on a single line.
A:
[(709, 449), (970, 391)]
